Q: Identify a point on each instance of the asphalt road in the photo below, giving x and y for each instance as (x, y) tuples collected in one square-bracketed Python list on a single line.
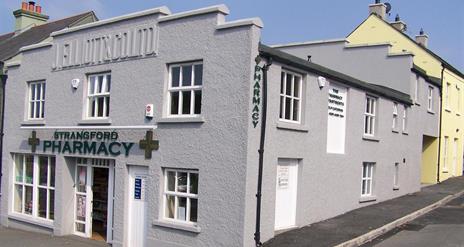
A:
[(442, 227)]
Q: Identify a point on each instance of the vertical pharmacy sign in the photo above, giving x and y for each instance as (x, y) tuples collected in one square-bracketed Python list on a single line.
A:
[(256, 99)]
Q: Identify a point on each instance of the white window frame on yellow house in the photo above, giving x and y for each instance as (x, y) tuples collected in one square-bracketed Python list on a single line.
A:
[(430, 99), (447, 96), (445, 153), (459, 100), (455, 156)]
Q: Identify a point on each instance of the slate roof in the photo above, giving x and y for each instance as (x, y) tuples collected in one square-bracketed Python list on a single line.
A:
[(11, 43), (297, 62)]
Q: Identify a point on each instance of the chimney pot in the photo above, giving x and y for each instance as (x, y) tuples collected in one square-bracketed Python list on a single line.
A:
[(422, 39), (421, 32), (24, 5), (379, 9), (31, 6), (397, 17), (38, 9)]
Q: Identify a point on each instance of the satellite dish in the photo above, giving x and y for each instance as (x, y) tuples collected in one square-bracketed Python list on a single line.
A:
[(389, 7)]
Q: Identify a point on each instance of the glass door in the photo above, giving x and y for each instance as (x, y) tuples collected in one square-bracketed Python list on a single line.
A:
[(82, 219)]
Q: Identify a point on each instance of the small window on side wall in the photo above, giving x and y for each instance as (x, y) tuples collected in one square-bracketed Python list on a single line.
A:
[(180, 195), (290, 97), (370, 116), (185, 89)]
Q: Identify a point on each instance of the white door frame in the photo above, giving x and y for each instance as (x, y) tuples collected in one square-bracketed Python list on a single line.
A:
[(287, 179), (89, 197)]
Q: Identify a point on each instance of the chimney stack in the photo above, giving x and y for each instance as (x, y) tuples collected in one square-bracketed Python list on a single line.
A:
[(422, 39), (398, 24), (29, 15), (379, 9)]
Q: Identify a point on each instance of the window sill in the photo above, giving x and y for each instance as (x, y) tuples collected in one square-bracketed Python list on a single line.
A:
[(395, 187), (292, 126), (445, 171), (30, 220), (431, 112), (395, 131), (103, 121), (448, 110), (40, 122), (370, 138), (405, 133), (367, 199), (458, 114), (181, 120), (417, 103), (177, 225)]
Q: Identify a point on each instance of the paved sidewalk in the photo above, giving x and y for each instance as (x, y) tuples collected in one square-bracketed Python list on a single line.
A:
[(358, 222), (17, 238)]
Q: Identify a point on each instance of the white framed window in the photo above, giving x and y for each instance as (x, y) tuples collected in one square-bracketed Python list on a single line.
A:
[(395, 116), (445, 153), (367, 179), (416, 89), (396, 176), (405, 119), (36, 100), (455, 156), (180, 195), (459, 99), (290, 97), (430, 99), (447, 95), (98, 95), (370, 115), (34, 186), (185, 89)]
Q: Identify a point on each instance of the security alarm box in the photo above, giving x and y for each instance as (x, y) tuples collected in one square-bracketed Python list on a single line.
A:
[(149, 110)]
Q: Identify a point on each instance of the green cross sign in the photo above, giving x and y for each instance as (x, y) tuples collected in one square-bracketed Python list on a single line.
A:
[(33, 141), (148, 144)]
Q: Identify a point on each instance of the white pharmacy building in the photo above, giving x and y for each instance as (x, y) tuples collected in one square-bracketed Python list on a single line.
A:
[(144, 130)]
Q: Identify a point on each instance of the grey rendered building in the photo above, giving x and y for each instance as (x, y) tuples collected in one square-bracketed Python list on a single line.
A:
[(149, 128)]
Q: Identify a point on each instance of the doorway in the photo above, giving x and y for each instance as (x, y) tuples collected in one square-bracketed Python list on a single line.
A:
[(138, 180), (286, 194), (94, 199)]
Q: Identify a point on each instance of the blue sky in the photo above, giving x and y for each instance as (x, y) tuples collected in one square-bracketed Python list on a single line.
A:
[(291, 20)]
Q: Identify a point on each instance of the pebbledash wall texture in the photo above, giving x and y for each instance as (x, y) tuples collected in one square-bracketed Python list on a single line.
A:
[(325, 154)]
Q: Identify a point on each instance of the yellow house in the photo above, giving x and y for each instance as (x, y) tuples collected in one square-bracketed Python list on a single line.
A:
[(376, 29)]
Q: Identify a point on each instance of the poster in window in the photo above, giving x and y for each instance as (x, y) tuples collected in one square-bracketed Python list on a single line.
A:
[(80, 207)]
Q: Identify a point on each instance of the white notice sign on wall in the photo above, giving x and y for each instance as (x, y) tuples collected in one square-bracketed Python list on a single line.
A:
[(282, 177), (336, 119)]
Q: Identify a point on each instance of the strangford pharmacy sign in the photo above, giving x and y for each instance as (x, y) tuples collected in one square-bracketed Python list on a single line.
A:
[(91, 143)]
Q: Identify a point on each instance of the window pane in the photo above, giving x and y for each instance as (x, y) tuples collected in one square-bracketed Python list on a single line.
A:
[(186, 102), (32, 91), (39, 91), (100, 88), (182, 182), (52, 171), (42, 210), (282, 78), (108, 83), (193, 209), (296, 89), (31, 109), (80, 207), (187, 75), (19, 168), (43, 170), (43, 91), (52, 205), (288, 101), (18, 198), (37, 110), (171, 181), (107, 103), (182, 208), (29, 169), (92, 107), (80, 227), (175, 74), (198, 74), (368, 186), (197, 102), (92, 85), (28, 202), (368, 105), (100, 106), (363, 189), (281, 106), (288, 89), (170, 204), (175, 103), (296, 105), (82, 178), (42, 113), (193, 183)]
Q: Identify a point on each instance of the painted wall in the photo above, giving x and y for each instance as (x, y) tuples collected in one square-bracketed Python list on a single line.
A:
[(227, 56), (375, 30), (330, 184)]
